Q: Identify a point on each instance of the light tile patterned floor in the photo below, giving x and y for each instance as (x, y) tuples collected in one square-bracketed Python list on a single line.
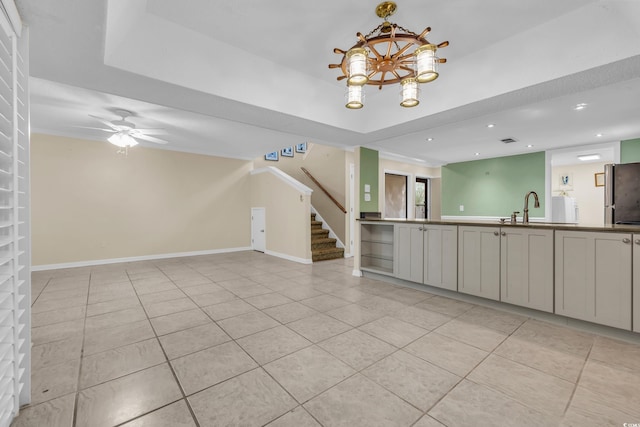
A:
[(245, 339)]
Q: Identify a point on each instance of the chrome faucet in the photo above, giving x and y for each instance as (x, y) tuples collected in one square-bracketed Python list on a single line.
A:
[(525, 217)]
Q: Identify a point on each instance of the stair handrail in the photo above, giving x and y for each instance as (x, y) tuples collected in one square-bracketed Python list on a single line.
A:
[(324, 190)]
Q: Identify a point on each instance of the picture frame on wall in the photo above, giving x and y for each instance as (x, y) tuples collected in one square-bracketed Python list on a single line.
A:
[(273, 156), (566, 181), (287, 152), (599, 178), (301, 148)]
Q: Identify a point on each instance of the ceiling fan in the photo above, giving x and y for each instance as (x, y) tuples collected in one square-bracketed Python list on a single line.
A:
[(125, 133)]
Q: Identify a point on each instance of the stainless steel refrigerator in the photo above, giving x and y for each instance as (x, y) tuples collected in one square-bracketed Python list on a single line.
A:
[(622, 194)]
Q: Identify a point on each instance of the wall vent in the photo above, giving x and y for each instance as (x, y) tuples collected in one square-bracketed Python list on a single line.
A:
[(508, 140)]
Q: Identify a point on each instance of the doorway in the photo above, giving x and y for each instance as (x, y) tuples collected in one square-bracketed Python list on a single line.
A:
[(258, 238), (423, 198), (395, 196)]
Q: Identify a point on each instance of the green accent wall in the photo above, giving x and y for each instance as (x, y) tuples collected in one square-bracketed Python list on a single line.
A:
[(369, 166), (494, 187), (630, 151)]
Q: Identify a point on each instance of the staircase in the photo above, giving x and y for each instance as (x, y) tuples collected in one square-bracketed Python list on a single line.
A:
[(323, 247)]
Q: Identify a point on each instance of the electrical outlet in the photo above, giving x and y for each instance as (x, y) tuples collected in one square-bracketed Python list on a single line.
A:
[(461, 208)]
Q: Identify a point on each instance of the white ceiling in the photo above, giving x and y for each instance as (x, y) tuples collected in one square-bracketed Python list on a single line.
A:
[(239, 79)]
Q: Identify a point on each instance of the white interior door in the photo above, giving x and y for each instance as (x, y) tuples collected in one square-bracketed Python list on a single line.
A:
[(258, 240)]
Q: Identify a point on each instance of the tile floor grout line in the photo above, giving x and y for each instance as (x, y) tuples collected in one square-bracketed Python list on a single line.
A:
[(575, 387), (84, 328), (175, 377)]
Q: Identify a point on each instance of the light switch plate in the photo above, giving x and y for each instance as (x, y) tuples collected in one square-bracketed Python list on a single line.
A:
[(367, 188), (367, 197)]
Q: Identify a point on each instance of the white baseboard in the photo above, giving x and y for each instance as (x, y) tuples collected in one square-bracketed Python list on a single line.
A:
[(289, 257), (133, 259), (356, 273)]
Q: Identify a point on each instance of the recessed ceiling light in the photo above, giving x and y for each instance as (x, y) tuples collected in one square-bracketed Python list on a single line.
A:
[(587, 157), (429, 139), (477, 154), (599, 135), (490, 125), (530, 145), (580, 106)]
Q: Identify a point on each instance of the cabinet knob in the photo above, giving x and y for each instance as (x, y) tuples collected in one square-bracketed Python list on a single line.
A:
[(626, 240), (504, 233), (637, 241), (495, 233), (420, 229)]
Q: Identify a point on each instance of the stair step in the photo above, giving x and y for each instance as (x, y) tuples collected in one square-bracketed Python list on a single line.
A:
[(313, 217), (319, 232), (327, 254), (316, 224), (324, 243)]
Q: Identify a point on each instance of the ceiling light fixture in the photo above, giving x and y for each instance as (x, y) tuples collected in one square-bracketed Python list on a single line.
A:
[(587, 157), (491, 125), (477, 154), (580, 106), (389, 54), (599, 135), (429, 139), (122, 139), (530, 146)]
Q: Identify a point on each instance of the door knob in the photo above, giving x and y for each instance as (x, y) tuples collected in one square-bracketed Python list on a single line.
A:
[(262, 231)]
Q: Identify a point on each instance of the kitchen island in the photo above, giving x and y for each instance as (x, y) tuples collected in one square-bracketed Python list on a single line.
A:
[(590, 273)]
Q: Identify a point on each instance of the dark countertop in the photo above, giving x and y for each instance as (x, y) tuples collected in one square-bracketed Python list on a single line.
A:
[(622, 228)]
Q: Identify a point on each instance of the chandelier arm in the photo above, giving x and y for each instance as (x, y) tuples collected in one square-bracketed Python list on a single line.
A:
[(375, 52), (395, 73), (382, 79), (408, 69), (389, 46), (404, 49), (425, 32), (408, 58)]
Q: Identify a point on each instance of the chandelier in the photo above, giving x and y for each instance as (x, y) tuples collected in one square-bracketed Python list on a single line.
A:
[(389, 54)]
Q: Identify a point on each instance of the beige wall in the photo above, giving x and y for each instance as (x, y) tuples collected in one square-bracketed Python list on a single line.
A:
[(413, 171), (590, 198), (328, 166), (89, 203), (287, 216)]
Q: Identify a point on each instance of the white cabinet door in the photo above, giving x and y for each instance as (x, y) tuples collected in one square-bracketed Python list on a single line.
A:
[(409, 252), (526, 267), (441, 256), (593, 277), (479, 261), (636, 283)]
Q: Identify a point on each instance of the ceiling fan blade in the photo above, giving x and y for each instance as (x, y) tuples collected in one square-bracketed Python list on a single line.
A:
[(149, 131), (150, 139), (92, 128), (105, 122)]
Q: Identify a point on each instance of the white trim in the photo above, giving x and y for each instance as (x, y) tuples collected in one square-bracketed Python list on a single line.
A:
[(488, 218), (11, 10), (356, 273), (289, 257), (352, 210), (134, 259), (410, 160), (285, 178), (326, 226)]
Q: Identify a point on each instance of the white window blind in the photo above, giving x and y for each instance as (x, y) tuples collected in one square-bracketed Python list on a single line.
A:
[(15, 283)]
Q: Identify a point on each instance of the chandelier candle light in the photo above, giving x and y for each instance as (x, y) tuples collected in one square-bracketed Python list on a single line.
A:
[(389, 54)]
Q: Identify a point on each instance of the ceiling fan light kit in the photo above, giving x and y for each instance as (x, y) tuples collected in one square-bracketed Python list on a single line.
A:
[(125, 133), (389, 54)]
